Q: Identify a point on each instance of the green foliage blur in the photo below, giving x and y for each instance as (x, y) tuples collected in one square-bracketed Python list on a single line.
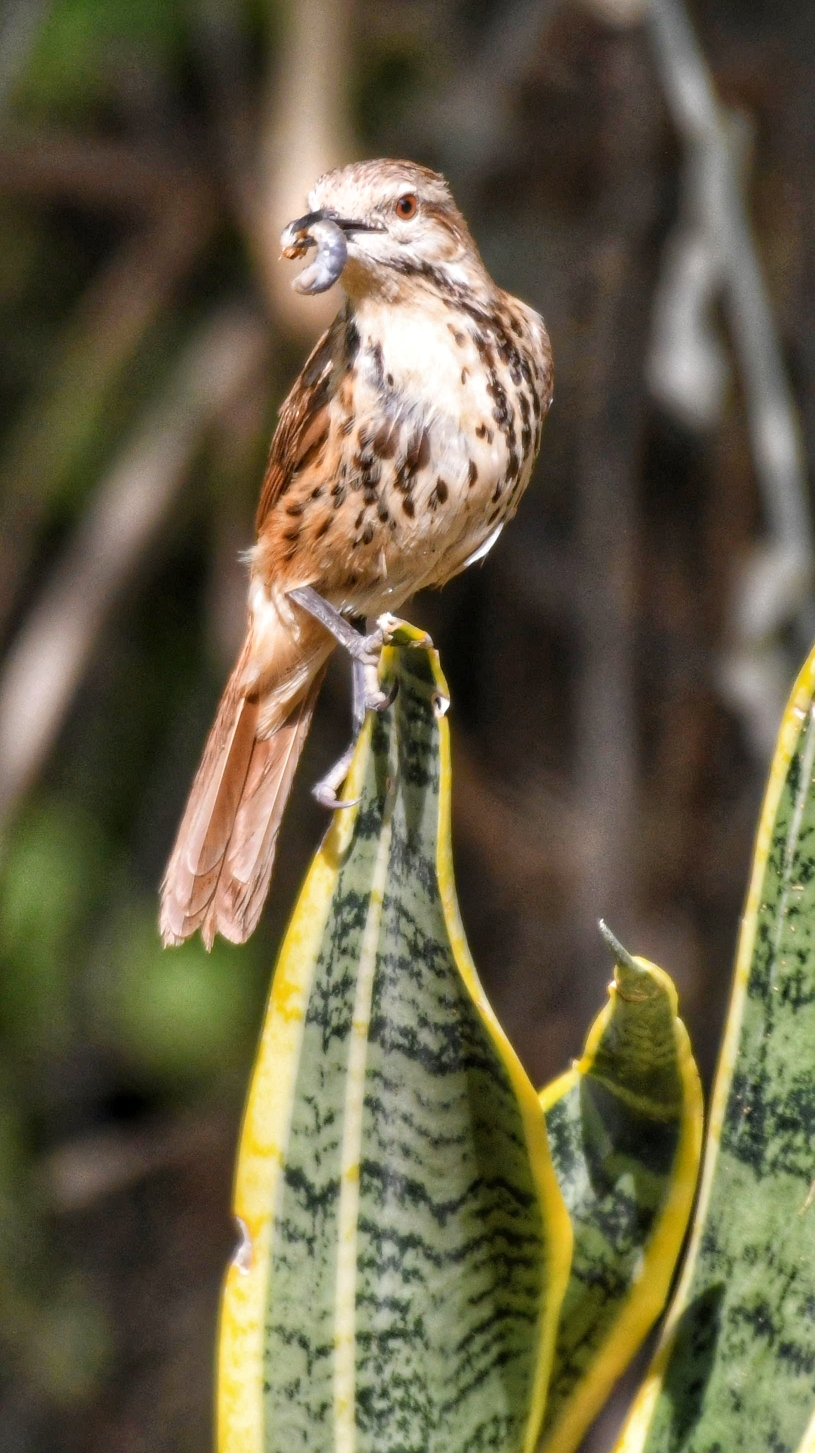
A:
[(600, 765), (100, 1031)]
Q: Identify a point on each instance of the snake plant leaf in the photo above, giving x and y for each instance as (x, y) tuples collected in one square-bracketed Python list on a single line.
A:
[(625, 1128), (807, 1444), (406, 1246), (735, 1367)]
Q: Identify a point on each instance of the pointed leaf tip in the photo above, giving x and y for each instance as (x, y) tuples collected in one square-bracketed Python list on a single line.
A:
[(621, 954)]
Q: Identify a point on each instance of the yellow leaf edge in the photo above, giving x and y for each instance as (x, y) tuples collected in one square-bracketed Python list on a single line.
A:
[(650, 1290), (558, 1225), (264, 1136), (635, 1430), (807, 1443)]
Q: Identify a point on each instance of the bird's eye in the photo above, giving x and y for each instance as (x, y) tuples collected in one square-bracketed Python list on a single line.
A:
[(407, 206)]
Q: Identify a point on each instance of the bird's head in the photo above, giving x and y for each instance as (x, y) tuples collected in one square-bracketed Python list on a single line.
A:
[(380, 225)]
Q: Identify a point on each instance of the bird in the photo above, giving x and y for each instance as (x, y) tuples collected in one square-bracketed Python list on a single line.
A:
[(400, 453)]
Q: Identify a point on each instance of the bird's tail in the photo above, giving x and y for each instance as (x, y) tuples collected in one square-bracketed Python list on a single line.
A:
[(219, 871)]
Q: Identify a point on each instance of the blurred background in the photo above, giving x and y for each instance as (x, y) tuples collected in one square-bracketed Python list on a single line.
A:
[(618, 665)]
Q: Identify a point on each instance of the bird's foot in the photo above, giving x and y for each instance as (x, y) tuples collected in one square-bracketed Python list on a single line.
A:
[(367, 653), (326, 791)]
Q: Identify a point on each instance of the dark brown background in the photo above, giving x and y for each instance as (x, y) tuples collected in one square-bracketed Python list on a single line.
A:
[(149, 154)]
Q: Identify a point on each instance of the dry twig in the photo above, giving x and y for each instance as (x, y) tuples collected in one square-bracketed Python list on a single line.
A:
[(104, 331), (774, 589), (47, 660)]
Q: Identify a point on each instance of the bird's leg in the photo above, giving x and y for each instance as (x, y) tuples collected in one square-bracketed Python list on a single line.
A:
[(327, 788), (364, 651)]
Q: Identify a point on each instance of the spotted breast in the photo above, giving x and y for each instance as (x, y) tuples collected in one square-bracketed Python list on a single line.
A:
[(420, 442)]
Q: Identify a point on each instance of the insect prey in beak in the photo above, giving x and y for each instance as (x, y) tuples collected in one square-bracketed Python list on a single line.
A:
[(331, 255)]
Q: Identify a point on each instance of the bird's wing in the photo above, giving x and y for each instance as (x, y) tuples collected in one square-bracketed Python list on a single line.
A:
[(304, 419)]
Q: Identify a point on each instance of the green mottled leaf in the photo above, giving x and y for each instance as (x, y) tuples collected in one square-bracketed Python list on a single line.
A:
[(625, 1128), (407, 1246), (736, 1365)]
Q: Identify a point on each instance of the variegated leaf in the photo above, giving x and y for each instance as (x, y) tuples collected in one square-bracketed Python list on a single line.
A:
[(406, 1243), (736, 1366), (625, 1127)]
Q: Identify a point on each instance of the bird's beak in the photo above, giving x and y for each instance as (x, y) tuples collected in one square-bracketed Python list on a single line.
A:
[(328, 233), (295, 238)]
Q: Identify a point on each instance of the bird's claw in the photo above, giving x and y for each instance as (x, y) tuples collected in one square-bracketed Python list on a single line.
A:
[(376, 700), (326, 794), (326, 790), (370, 645)]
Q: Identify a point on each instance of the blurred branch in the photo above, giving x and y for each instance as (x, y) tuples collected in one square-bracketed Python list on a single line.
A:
[(306, 130), (688, 368), (235, 456), (18, 32), (221, 47), (619, 13), (95, 172), (81, 1172), (609, 441), (107, 326), (470, 125), (528, 855), (606, 756), (775, 586), (123, 522)]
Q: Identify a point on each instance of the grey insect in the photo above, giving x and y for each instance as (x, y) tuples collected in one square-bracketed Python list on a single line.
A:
[(331, 256)]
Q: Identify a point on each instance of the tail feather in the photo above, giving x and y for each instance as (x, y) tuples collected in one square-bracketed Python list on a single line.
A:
[(219, 871), (244, 883)]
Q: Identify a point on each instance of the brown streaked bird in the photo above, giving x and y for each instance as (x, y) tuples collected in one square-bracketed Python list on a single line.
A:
[(402, 450)]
